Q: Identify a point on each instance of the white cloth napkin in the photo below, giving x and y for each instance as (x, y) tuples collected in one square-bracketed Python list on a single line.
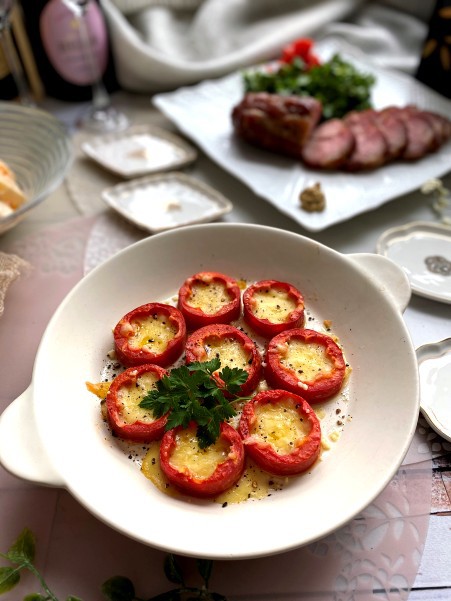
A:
[(163, 44)]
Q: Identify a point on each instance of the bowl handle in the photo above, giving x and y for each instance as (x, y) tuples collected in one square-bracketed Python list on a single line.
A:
[(21, 452), (391, 279)]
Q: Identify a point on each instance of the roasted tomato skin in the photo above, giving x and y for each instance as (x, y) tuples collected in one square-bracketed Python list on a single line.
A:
[(265, 327), (138, 431), (224, 476), (316, 390), (195, 350), (195, 317), (123, 331), (263, 453)]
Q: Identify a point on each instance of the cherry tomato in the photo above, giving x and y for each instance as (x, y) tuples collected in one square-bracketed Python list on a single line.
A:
[(280, 432), (126, 418), (202, 472), (270, 307), (152, 333), (209, 297), (232, 346), (305, 362), (301, 48)]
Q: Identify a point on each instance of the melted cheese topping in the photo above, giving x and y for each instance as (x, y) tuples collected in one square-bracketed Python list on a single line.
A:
[(253, 484), (151, 468), (229, 350), (308, 360), (209, 297), (130, 397), (152, 333), (273, 304), (280, 425), (188, 457)]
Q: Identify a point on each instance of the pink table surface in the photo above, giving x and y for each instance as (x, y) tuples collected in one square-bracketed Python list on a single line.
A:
[(375, 556)]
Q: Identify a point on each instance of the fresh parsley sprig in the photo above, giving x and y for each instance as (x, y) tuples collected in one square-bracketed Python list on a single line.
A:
[(193, 393), (118, 588), (337, 84)]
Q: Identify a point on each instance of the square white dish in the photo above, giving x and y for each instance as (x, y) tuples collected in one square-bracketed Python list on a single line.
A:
[(139, 150), (202, 112), (165, 201)]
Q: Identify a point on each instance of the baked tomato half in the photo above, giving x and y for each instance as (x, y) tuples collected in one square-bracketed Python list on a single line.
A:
[(126, 418), (202, 472), (152, 333), (280, 432), (209, 297), (305, 362), (270, 307), (233, 348)]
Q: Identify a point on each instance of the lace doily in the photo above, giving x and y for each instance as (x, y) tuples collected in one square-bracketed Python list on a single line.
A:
[(11, 267)]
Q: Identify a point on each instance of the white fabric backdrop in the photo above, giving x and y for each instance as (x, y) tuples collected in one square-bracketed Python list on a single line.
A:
[(163, 44)]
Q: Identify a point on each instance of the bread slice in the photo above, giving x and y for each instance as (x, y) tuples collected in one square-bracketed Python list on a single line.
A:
[(10, 192)]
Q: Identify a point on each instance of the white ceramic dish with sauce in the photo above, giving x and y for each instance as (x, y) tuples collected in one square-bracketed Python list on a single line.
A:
[(53, 433)]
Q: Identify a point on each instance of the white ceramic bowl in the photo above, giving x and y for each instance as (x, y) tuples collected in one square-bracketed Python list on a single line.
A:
[(37, 147), (54, 434)]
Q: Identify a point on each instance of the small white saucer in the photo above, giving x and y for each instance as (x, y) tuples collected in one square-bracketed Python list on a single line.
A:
[(140, 150), (423, 250), (165, 201), (434, 364)]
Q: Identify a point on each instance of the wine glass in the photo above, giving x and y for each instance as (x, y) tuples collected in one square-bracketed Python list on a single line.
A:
[(9, 51), (101, 116)]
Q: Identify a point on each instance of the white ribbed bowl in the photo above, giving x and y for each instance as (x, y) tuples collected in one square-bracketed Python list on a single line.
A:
[(37, 147)]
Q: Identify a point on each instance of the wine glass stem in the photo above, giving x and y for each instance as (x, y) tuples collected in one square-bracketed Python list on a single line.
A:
[(100, 96)]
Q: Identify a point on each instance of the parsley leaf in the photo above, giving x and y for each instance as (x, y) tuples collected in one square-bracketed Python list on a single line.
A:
[(194, 393), (337, 84)]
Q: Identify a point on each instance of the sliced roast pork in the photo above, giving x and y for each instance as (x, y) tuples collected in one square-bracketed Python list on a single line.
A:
[(274, 122), (370, 149), (329, 146), (394, 132), (364, 140)]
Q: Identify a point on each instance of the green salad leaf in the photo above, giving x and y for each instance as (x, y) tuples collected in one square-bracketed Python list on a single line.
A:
[(337, 84)]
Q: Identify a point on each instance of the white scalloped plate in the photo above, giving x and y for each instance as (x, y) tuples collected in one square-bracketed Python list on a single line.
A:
[(165, 201), (139, 150), (423, 250), (434, 364), (203, 112)]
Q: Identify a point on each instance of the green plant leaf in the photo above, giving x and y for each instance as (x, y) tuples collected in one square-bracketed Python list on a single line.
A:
[(205, 567), (35, 597), (9, 577), (72, 598), (118, 588), (173, 570), (23, 549)]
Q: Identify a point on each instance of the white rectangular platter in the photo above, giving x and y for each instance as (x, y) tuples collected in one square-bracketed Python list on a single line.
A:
[(203, 113)]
